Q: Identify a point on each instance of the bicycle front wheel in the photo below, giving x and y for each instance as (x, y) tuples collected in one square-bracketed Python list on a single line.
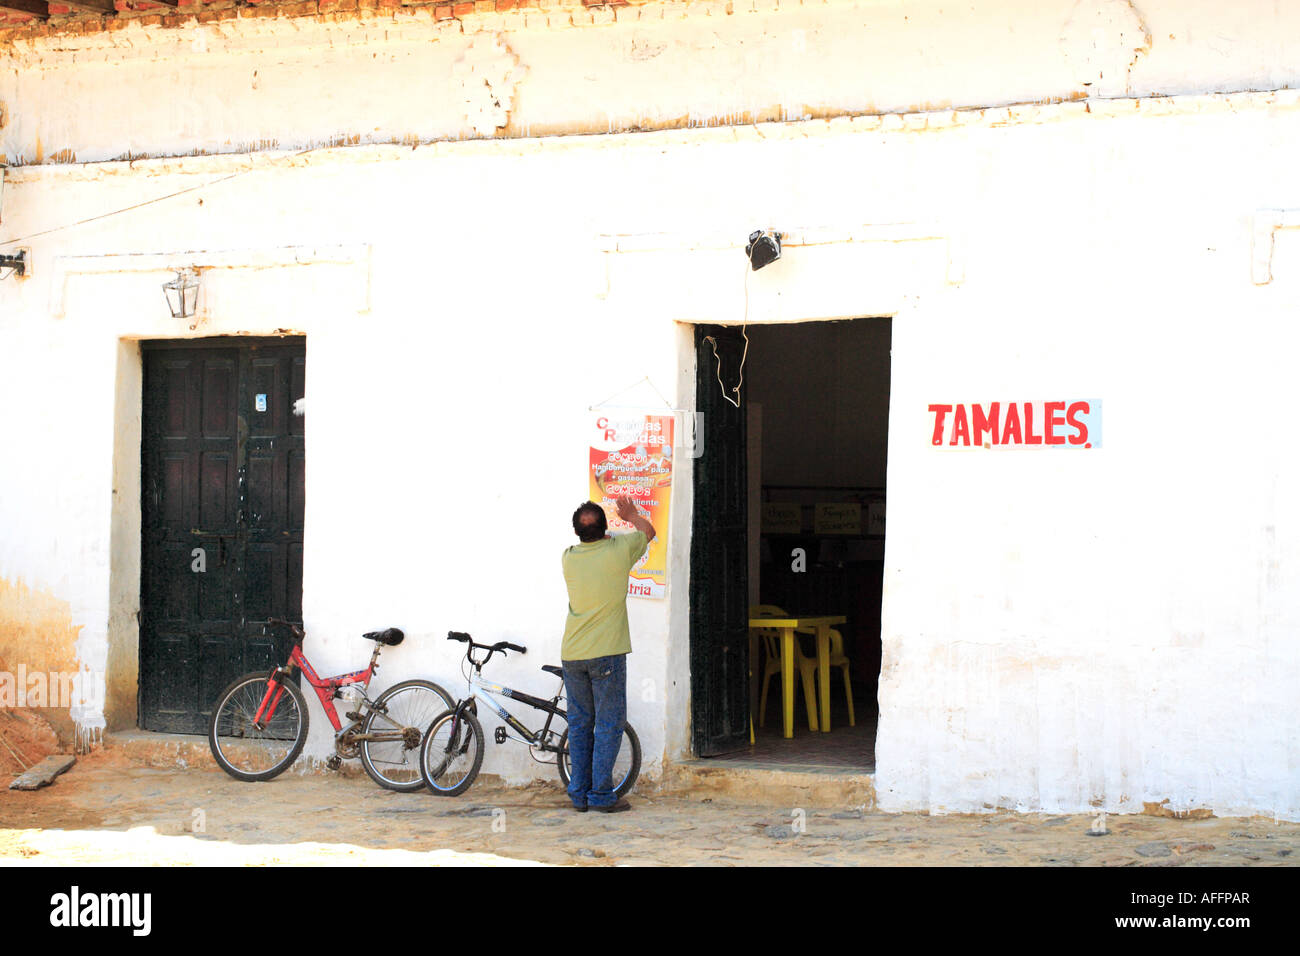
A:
[(250, 751), (451, 753), (394, 728), (627, 765)]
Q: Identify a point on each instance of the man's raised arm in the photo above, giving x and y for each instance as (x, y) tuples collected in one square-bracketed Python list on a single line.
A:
[(627, 511)]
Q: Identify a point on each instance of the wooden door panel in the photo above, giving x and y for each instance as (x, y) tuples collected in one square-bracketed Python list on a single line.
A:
[(218, 493), (297, 490), (267, 580), (719, 557), (297, 387), (173, 508), (267, 491), (218, 475), (293, 567), (170, 698)]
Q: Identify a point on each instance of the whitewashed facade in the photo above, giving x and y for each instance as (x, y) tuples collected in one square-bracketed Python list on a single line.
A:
[(1052, 199)]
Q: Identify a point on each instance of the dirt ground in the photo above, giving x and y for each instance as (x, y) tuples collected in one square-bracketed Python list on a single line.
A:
[(25, 740), (107, 811)]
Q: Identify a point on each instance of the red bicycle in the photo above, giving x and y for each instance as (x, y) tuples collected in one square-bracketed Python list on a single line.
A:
[(259, 725)]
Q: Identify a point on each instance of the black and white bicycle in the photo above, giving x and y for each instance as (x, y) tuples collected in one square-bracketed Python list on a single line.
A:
[(451, 752)]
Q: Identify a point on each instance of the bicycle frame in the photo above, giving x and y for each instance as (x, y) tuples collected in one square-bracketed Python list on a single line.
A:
[(479, 689), (326, 688)]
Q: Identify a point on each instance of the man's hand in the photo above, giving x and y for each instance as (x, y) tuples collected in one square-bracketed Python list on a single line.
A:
[(627, 511), (625, 508)]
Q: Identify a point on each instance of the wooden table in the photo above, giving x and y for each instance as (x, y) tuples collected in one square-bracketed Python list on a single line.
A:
[(787, 627)]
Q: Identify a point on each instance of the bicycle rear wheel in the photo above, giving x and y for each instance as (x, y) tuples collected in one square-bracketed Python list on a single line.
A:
[(245, 750), (627, 765), (399, 718), (451, 753)]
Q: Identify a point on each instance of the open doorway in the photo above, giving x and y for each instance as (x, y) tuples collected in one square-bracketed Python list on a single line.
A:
[(789, 523)]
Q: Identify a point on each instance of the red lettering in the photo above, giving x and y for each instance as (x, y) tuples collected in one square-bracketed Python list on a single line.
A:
[(1012, 426), (1073, 410), (981, 424), (939, 412), (1054, 422), (610, 434), (959, 427), (1030, 437)]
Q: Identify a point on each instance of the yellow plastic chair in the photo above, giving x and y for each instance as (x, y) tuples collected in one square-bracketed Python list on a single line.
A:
[(759, 610), (837, 659), (807, 666)]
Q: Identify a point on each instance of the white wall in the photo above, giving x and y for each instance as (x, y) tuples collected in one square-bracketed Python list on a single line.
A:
[(1062, 630)]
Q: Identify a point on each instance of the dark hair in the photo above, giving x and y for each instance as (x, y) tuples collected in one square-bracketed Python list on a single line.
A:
[(589, 522)]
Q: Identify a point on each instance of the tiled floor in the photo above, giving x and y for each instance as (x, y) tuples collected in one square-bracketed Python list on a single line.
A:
[(844, 750)]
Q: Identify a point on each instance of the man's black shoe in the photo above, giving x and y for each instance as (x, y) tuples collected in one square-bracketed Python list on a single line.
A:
[(580, 809), (618, 806)]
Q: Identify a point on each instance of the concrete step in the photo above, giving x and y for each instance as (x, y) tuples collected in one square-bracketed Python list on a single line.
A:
[(735, 782), (145, 748), (148, 749)]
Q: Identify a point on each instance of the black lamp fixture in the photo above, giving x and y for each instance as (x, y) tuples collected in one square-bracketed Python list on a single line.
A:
[(182, 293), (13, 264), (763, 247)]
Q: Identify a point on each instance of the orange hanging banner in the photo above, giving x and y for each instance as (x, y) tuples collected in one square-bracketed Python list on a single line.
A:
[(633, 455)]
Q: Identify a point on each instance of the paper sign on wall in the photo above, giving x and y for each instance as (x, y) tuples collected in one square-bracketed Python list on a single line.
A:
[(837, 518), (782, 517), (633, 455), (876, 518)]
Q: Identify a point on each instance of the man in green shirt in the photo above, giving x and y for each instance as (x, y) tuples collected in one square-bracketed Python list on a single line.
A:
[(595, 648)]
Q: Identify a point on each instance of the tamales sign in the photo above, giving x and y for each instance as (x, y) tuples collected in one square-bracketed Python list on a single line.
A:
[(1047, 424)]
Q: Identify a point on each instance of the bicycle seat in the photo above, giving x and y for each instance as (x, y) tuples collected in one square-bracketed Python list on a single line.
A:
[(552, 669), (391, 636)]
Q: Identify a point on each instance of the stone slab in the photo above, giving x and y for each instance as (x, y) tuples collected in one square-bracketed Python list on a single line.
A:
[(43, 773)]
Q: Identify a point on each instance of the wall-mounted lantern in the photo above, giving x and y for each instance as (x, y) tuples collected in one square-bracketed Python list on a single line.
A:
[(183, 293)]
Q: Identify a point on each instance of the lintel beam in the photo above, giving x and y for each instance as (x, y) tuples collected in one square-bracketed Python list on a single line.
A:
[(33, 8), (104, 7)]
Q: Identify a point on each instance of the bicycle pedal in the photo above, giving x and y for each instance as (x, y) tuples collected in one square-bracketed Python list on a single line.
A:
[(334, 762), (500, 735)]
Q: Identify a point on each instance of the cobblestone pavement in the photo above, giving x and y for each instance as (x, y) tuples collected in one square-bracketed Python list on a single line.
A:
[(103, 812)]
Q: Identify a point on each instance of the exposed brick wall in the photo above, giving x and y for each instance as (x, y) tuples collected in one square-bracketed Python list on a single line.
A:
[(66, 22)]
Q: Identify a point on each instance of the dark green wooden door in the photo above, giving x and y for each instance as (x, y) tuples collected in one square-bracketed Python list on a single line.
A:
[(222, 515), (719, 562)]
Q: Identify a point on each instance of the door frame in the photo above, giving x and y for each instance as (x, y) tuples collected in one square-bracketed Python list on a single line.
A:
[(123, 678), (695, 379)]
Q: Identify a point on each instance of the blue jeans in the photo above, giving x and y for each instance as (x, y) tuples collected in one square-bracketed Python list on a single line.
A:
[(596, 690)]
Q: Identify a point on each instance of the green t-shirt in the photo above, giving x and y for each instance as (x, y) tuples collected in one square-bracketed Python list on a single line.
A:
[(596, 576)]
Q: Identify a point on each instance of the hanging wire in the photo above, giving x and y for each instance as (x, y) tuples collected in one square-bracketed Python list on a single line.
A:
[(714, 342), (149, 202), (646, 379)]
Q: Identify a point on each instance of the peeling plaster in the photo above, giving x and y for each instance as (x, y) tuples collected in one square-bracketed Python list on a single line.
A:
[(488, 73), (1102, 41), (376, 79), (40, 634)]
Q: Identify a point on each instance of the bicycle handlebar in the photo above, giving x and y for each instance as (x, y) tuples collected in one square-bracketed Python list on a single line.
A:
[(499, 647), (298, 632)]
